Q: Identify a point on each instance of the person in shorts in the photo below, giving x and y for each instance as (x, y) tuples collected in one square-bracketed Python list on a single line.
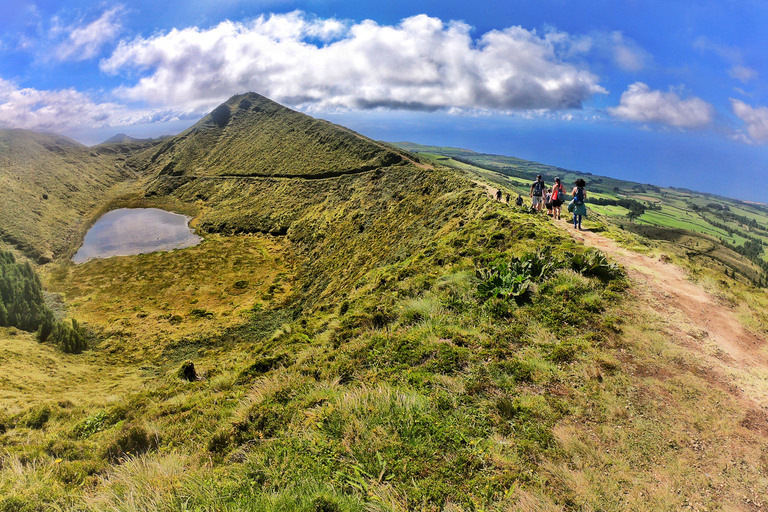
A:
[(558, 198), (538, 188)]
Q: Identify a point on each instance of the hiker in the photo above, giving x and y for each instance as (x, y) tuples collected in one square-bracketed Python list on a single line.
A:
[(519, 200), (498, 195), (558, 198), (579, 208), (507, 198), (548, 201), (537, 193)]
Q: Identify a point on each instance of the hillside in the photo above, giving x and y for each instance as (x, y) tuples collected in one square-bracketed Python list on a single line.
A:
[(48, 185), (381, 337), (250, 135), (727, 232)]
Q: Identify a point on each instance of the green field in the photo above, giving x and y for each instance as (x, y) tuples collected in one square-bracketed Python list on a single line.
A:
[(714, 217)]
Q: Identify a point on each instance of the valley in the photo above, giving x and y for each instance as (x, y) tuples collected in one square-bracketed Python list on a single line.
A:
[(368, 330)]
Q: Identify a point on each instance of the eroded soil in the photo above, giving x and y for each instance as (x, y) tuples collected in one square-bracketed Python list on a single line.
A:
[(733, 357)]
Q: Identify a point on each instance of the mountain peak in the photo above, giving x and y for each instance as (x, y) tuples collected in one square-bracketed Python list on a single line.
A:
[(250, 135)]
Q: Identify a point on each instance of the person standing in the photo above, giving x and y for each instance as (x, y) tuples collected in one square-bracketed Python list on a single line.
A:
[(558, 198), (579, 198), (537, 193), (548, 201)]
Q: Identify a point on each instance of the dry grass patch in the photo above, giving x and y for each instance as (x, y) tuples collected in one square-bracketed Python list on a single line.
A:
[(32, 373)]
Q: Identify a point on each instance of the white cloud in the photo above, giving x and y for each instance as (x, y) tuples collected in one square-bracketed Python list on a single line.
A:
[(755, 118), (85, 42), (730, 54), (67, 109), (641, 104), (743, 73), (420, 64)]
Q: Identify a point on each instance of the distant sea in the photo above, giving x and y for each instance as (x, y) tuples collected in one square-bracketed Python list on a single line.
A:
[(697, 161)]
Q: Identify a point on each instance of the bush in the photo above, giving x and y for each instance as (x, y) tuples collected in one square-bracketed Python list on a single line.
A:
[(21, 295), (70, 338), (514, 280), (594, 263)]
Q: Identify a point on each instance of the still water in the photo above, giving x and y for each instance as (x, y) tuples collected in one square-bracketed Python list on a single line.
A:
[(136, 231)]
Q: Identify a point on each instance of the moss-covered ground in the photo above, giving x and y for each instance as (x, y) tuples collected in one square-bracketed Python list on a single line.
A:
[(381, 383)]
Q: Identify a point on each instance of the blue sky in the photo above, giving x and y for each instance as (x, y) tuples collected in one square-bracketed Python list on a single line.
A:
[(670, 92)]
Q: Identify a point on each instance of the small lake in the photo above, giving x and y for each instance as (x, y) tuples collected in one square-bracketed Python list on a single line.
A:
[(130, 231)]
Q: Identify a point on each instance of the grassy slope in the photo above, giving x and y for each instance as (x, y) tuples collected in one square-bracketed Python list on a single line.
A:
[(413, 395), (356, 368), (48, 185), (677, 207), (252, 136)]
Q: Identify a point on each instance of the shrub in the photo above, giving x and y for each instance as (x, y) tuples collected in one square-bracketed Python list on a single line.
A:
[(21, 295), (70, 338), (514, 280), (594, 263)]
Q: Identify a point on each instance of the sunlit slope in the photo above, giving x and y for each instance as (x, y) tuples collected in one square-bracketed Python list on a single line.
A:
[(47, 184), (250, 135), (728, 232)]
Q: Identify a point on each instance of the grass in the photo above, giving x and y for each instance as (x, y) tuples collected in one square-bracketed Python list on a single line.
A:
[(414, 396), (48, 185), (347, 362), (163, 298), (257, 137)]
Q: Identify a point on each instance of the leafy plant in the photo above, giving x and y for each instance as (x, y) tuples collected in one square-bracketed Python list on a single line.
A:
[(594, 263), (515, 279)]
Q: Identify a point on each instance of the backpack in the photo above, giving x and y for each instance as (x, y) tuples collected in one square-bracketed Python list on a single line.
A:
[(537, 187), (579, 196)]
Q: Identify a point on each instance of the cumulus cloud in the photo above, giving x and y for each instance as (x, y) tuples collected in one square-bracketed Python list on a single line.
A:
[(67, 109), (756, 120), (420, 64), (83, 42), (641, 104)]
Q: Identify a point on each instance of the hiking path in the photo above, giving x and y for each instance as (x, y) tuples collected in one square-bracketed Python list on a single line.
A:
[(733, 357)]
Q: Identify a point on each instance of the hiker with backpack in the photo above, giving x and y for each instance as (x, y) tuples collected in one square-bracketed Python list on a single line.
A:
[(558, 198), (519, 200), (579, 197), (537, 193)]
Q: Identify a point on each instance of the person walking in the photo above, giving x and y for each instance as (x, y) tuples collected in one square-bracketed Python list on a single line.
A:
[(548, 201), (579, 197), (537, 193), (558, 198)]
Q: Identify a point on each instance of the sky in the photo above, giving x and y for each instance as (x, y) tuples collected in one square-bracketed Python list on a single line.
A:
[(672, 92)]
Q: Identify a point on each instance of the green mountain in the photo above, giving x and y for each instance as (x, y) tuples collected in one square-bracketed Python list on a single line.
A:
[(49, 184), (364, 328), (250, 135)]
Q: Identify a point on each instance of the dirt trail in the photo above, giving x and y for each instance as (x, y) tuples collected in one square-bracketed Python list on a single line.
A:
[(735, 358)]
